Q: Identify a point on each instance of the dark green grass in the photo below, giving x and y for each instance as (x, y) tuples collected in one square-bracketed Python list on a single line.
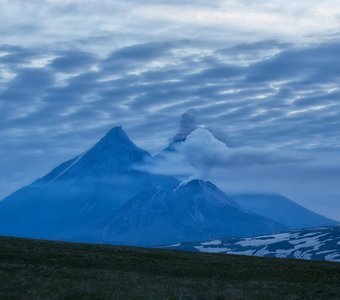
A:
[(33, 269)]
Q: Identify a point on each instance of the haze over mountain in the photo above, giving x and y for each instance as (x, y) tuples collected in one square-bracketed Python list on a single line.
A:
[(281, 209)]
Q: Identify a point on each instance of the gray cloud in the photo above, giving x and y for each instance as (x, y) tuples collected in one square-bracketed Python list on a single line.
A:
[(112, 24), (72, 61), (54, 109)]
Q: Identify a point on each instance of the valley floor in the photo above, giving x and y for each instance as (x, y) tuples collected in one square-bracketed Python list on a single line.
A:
[(34, 269)]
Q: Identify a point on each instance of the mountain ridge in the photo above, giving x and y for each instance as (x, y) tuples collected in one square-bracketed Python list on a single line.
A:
[(189, 212), (101, 196), (282, 209)]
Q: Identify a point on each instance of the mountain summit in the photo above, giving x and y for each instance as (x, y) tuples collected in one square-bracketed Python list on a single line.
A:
[(80, 191), (117, 145), (114, 152)]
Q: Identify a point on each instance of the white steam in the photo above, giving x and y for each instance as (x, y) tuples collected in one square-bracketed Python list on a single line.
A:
[(201, 156)]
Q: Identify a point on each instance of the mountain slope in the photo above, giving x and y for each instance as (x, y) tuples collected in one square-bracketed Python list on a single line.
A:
[(282, 210), (192, 211), (80, 191), (321, 243), (203, 149)]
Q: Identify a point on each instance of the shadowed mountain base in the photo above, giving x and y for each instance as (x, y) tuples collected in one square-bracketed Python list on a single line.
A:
[(33, 269)]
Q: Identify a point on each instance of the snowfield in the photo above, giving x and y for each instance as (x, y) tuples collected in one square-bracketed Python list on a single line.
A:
[(321, 243)]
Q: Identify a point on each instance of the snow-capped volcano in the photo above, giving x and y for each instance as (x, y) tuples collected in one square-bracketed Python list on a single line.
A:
[(80, 191), (115, 152), (101, 196), (192, 211)]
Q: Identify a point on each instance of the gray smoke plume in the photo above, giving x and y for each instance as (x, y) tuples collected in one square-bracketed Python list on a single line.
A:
[(188, 124)]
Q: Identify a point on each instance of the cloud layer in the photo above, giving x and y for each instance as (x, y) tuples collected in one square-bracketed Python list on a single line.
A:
[(99, 24), (259, 75)]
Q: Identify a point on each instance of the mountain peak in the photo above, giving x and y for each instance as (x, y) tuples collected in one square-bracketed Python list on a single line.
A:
[(116, 132), (117, 146), (205, 190), (198, 184), (115, 139), (112, 153)]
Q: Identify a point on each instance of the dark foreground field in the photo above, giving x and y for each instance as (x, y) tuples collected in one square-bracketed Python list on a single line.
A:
[(31, 269)]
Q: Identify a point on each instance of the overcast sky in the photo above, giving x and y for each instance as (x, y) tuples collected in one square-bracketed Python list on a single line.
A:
[(260, 74)]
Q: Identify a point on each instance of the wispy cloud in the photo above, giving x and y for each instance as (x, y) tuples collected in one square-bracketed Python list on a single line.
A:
[(105, 22), (259, 73)]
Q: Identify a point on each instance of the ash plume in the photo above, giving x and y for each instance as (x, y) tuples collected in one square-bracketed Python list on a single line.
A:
[(188, 123)]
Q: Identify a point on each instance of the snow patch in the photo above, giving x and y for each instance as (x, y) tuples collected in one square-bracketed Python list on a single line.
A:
[(175, 245), (215, 242), (259, 241), (213, 249)]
